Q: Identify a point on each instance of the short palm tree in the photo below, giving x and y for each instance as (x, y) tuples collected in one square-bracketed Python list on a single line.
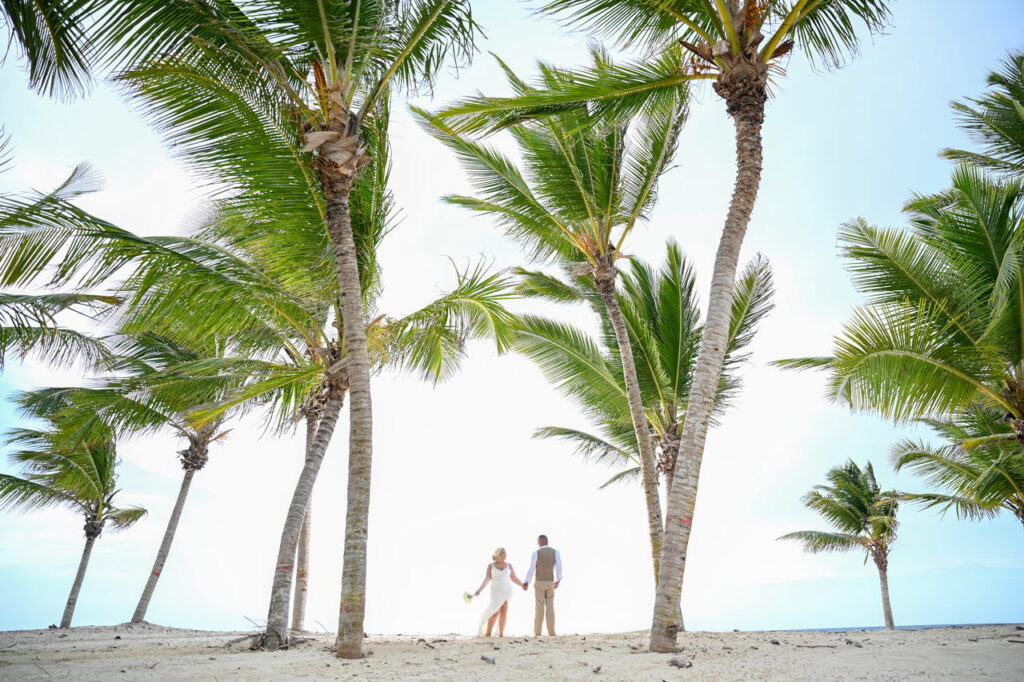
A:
[(980, 467), (942, 331), (863, 518), (132, 399), (996, 121), (61, 469), (662, 317), (737, 44), (581, 192)]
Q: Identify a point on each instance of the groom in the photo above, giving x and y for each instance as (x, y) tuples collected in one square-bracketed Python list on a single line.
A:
[(547, 564)]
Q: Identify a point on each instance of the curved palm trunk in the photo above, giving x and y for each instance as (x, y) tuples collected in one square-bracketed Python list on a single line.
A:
[(302, 556), (648, 464), (360, 455), (276, 633), (883, 579), (744, 92), (165, 548), (83, 564)]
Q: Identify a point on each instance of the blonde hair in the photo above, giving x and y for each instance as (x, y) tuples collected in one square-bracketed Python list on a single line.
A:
[(498, 553)]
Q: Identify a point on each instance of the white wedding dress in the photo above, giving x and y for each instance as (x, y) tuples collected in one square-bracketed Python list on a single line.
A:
[(501, 590)]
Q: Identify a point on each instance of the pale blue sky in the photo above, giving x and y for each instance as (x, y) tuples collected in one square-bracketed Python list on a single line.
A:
[(457, 472)]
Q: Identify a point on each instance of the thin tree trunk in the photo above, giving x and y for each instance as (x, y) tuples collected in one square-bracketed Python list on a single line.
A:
[(165, 548), (277, 617), (883, 579), (352, 610), (745, 98), (69, 608), (648, 464), (302, 556)]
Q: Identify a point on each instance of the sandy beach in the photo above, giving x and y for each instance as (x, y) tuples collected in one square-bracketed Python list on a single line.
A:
[(150, 652)]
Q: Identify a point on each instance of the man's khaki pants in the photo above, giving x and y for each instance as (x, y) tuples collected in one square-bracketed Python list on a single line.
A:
[(544, 592)]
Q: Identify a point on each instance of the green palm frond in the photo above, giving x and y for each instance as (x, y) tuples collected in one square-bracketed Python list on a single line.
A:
[(50, 36), (593, 449), (816, 541), (995, 121)]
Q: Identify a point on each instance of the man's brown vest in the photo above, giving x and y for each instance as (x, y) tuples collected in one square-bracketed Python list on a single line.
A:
[(546, 564)]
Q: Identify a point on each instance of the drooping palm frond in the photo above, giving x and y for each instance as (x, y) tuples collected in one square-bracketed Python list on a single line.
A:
[(815, 541), (431, 340), (995, 121), (51, 38)]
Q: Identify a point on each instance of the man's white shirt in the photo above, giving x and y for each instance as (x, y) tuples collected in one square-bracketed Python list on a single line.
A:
[(533, 566)]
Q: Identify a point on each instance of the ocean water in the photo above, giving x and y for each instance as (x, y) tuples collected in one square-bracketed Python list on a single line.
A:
[(882, 627)]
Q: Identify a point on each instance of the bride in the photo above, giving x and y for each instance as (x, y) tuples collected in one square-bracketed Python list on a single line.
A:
[(501, 575)]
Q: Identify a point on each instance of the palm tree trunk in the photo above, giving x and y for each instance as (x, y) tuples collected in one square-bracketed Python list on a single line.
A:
[(302, 556), (883, 579), (69, 608), (745, 97), (648, 465), (276, 634), (360, 454), (165, 548)]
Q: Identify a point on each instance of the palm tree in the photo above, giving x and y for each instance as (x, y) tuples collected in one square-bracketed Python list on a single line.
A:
[(132, 401), (996, 122), (719, 40), (316, 84), (662, 318), (942, 331), (980, 467), (582, 191), (256, 283), (864, 518), (60, 469)]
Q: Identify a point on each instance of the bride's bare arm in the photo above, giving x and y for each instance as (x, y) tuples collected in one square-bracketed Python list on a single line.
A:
[(515, 579), (487, 579)]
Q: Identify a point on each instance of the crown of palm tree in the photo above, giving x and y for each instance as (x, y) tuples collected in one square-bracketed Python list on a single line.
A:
[(995, 121), (863, 516), (60, 468), (663, 319), (684, 41), (581, 189), (979, 468), (943, 325)]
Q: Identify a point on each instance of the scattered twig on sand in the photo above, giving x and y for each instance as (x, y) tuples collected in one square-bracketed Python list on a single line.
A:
[(42, 668), (236, 640), (488, 659), (816, 646), (1015, 641)]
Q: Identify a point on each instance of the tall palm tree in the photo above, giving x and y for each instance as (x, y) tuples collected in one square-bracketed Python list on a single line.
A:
[(996, 121), (61, 469), (980, 467), (863, 518), (581, 192), (942, 331), (736, 44), (313, 80)]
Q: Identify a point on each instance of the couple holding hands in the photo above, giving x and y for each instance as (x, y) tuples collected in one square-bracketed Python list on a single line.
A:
[(545, 565)]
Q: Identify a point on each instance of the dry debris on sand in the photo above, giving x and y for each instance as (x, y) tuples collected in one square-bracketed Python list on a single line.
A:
[(151, 652)]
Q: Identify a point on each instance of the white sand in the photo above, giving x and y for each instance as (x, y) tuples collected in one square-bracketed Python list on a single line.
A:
[(150, 652)]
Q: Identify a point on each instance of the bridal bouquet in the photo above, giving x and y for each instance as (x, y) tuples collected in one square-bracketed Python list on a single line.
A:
[(467, 597)]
